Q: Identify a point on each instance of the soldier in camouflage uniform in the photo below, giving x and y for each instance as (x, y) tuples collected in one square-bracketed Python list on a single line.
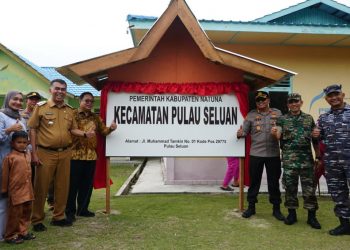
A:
[(294, 132), (334, 130)]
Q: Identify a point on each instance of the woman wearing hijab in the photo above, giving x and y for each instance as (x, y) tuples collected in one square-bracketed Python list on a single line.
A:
[(10, 121)]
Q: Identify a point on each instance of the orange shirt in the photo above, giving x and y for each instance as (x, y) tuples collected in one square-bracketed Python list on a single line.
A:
[(17, 177)]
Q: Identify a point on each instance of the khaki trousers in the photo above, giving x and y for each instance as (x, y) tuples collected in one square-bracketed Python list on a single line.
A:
[(18, 219), (55, 167)]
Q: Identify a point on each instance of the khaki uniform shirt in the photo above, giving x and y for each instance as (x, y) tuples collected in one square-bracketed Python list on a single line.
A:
[(85, 148), (17, 177), (52, 124), (259, 125)]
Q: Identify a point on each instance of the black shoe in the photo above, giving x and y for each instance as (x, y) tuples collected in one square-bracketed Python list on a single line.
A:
[(312, 220), (249, 212), (291, 217), (39, 227), (228, 188), (86, 214), (16, 240), (71, 218), (342, 229), (278, 215), (61, 223), (28, 236)]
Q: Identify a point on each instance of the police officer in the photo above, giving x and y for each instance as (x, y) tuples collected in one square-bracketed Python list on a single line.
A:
[(32, 98), (334, 130), (51, 125), (294, 132), (264, 151)]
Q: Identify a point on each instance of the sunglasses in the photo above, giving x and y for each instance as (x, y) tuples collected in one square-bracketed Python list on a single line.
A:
[(260, 100), (293, 101)]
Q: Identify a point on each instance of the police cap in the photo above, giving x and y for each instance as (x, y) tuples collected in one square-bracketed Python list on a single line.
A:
[(33, 95), (261, 95)]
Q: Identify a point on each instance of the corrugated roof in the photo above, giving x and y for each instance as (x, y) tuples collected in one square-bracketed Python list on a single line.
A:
[(319, 13), (72, 88), (207, 21)]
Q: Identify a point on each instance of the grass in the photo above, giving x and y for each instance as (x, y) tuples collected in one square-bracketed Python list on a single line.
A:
[(185, 221)]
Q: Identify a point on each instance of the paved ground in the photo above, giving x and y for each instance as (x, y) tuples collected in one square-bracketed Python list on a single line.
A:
[(151, 181)]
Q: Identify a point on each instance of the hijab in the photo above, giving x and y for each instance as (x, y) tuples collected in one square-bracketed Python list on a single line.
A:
[(6, 108)]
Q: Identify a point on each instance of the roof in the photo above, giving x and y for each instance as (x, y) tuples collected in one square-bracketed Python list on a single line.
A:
[(311, 23), (327, 11), (91, 70), (50, 73)]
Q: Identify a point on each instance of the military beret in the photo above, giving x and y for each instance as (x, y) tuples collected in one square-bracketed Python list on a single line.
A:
[(294, 96)]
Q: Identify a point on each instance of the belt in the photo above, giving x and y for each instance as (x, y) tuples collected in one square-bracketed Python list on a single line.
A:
[(54, 149)]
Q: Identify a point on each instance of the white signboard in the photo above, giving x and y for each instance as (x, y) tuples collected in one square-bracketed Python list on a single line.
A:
[(174, 125)]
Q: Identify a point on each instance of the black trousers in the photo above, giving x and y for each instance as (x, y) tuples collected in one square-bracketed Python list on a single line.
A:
[(80, 188), (273, 172)]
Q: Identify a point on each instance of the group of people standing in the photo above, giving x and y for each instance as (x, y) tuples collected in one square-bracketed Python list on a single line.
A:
[(61, 152), (294, 135)]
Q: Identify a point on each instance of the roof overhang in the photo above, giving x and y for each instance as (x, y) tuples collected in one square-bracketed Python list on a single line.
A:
[(229, 32), (92, 70)]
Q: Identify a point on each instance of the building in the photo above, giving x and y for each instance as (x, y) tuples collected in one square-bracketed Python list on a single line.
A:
[(311, 38), (18, 73), (177, 51)]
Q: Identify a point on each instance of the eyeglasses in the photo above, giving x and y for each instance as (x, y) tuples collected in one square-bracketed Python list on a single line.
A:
[(89, 101)]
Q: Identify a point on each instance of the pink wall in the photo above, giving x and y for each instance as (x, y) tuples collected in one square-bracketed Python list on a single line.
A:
[(176, 58)]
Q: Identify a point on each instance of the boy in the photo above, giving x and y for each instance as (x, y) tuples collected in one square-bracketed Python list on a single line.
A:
[(16, 184)]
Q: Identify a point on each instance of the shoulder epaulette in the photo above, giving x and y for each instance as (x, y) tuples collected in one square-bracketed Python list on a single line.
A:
[(69, 106), (41, 103)]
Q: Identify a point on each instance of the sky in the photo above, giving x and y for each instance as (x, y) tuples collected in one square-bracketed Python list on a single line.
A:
[(60, 32)]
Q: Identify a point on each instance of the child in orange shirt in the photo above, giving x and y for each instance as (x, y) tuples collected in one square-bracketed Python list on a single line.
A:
[(17, 185)]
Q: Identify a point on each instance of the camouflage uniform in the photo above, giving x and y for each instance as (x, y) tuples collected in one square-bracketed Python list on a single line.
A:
[(297, 159), (335, 132)]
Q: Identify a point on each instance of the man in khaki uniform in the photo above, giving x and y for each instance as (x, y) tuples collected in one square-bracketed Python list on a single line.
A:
[(51, 125)]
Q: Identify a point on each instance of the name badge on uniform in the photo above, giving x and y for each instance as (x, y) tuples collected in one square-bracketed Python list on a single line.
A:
[(50, 123)]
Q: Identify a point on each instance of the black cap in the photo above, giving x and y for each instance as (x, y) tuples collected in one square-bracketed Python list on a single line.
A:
[(261, 95), (33, 95), (294, 96), (332, 88)]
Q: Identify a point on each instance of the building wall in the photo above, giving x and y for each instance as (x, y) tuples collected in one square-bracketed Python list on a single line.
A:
[(316, 66), (18, 77)]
